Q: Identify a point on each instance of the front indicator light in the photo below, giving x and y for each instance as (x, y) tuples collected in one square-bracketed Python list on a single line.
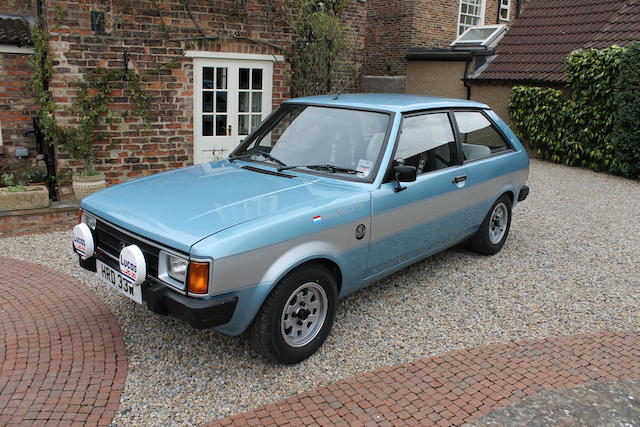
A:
[(198, 277)]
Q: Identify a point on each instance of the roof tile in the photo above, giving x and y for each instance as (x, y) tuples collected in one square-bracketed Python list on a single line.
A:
[(14, 30), (535, 47)]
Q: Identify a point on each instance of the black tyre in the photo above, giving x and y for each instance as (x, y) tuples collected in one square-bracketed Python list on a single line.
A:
[(494, 230), (297, 316)]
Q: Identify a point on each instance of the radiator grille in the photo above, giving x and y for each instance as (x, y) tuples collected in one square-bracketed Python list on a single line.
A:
[(110, 241)]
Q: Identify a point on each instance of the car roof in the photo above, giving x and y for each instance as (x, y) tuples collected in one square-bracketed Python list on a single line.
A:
[(386, 101)]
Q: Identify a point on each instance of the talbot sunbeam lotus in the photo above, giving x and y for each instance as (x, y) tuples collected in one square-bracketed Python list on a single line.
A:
[(329, 194)]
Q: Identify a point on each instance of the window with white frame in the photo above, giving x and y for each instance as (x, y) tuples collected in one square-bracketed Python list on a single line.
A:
[(505, 9), (471, 14)]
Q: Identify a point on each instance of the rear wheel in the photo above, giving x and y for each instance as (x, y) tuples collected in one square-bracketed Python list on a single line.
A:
[(297, 316), (494, 230)]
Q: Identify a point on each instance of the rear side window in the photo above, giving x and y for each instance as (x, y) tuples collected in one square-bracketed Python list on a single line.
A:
[(427, 142), (478, 136)]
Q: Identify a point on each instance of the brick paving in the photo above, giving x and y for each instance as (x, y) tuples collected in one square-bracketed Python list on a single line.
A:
[(457, 387), (62, 358)]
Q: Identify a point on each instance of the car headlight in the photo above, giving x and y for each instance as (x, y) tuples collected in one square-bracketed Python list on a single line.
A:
[(177, 268), (88, 219)]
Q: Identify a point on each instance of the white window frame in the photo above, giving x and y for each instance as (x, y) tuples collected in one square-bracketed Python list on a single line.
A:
[(464, 26), (505, 5)]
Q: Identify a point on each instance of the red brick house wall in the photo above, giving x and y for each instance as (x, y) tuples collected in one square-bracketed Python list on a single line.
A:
[(17, 7), (17, 104), (17, 101), (155, 36), (396, 25)]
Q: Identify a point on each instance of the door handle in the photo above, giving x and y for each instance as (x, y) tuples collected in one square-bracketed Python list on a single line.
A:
[(229, 130), (460, 178)]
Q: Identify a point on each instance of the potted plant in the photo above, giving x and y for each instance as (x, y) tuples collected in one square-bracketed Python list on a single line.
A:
[(15, 196)]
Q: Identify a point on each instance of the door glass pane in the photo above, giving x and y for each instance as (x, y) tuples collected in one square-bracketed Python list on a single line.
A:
[(244, 78), (207, 102), (256, 102), (243, 102), (221, 78), (221, 102), (255, 120), (256, 79), (207, 125), (427, 142), (221, 125), (207, 78), (479, 137), (243, 124)]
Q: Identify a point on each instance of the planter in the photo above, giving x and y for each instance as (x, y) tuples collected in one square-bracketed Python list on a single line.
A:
[(85, 185), (34, 197)]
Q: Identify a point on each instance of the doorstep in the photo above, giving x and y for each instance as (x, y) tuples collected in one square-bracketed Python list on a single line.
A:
[(58, 216)]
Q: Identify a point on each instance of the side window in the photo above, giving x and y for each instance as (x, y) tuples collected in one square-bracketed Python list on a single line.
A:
[(478, 136), (427, 142)]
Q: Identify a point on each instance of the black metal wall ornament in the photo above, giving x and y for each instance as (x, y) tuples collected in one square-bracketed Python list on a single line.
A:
[(97, 22), (125, 59)]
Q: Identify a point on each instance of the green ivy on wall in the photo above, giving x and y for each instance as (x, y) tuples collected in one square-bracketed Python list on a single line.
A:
[(584, 128), (91, 108)]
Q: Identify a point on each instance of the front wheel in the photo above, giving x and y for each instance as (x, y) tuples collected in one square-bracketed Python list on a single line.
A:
[(494, 230), (297, 316)]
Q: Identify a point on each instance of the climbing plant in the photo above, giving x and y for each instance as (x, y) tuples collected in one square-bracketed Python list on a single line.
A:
[(322, 51), (91, 108)]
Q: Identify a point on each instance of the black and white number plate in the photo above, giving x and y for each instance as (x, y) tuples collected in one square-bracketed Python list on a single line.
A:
[(117, 281)]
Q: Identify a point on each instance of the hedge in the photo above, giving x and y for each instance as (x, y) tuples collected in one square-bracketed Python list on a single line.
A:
[(597, 125)]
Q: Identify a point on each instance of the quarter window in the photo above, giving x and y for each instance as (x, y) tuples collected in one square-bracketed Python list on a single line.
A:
[(427, 142), (471, 14), (478, 136)]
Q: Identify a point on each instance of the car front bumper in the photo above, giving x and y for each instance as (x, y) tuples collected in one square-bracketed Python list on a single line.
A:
[(200, 313)]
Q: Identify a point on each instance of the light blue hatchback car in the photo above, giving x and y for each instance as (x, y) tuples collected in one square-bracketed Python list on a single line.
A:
[(329, 194)]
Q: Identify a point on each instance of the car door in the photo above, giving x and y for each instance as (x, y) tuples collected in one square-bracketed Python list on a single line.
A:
[(429, 213), (487, 158)]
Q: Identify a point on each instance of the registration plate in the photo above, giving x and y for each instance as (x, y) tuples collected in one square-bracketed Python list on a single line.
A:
[(119, 282)]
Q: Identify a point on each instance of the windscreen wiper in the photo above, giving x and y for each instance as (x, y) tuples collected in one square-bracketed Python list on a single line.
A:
[(328, 168), (260, 153)]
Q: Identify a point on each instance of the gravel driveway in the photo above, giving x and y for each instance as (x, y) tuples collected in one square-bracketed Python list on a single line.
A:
[(570, 265)]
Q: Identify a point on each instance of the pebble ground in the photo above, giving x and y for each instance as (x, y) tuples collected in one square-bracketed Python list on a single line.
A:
[(569, 266)]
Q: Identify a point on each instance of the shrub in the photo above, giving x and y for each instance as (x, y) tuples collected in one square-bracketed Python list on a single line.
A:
[(597, 126), (626, 133)]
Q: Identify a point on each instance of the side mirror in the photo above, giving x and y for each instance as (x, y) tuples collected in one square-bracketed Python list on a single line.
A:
[(404, 173)]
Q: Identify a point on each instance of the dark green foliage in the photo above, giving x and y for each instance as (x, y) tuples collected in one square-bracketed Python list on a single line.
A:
[(322, 50), (626, 135), (598, 125)]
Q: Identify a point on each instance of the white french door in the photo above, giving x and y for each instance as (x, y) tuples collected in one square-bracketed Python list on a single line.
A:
[(231, 97)]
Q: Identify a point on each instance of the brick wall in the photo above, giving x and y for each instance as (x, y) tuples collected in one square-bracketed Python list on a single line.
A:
[(396, 25), (16, 98), (17, 7), (153, 36), (17, 105)]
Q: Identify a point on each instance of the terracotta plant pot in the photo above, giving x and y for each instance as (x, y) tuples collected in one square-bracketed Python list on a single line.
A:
[(85, 185), (34, 197)]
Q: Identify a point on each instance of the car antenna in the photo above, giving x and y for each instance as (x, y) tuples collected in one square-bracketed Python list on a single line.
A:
[(340, 91)]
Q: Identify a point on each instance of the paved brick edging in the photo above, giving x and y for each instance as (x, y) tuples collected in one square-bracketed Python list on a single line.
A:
[(62, 356), (459, 386)]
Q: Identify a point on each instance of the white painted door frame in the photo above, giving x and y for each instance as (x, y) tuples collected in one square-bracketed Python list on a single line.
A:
[(244, 103)]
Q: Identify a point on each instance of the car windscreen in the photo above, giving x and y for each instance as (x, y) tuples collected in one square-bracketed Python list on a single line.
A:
[(340, 141)]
